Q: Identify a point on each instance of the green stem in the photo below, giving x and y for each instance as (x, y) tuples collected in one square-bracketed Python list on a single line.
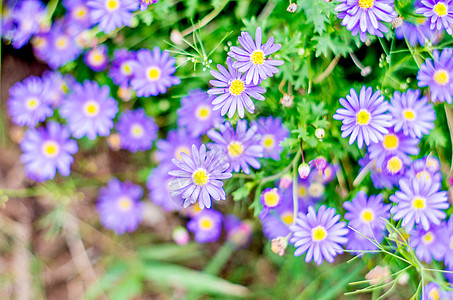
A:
[(219, 260)]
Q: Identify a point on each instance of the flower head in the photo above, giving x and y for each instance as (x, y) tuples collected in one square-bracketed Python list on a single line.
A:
[(78, 14), (137, 130), (177, 142), (319, 235), (145, 3), (251, 58), (206, 225), (158, 186), (26, 17), (427, 167), (58, 86), (270, 198), (415, 33), (393, 165), (232, 92), (429, 244), (121, 70), (438, 12), (364, 116), (111, 14), (97, 58), (119, 206), (272, 134), (199, 177)]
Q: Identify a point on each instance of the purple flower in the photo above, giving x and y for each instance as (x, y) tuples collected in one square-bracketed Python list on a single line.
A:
[(251, 58), (137, 130), (419, 201), (378, 177), (448, 259), (394, 143), (206, 226), (121, 70), (437, 74), (364, 116), (240, 148), (393, 165), (411, 114), (119, 206), (272, 134), (427, 167), (438, 12), (177, 142), (367, 214), (359, 242), (415, 33), (152, 72), (239, 233), (89, 110), (233, 92), (145, 3), (58, 86), (270, 198), (362, 16), (111, 14), (199, 177), (46, 150), (430, 243), (158, 186), (26, 17), (29, 102), (62, 47), (97, 58), (78, 14), (319, 235), (196, 113)]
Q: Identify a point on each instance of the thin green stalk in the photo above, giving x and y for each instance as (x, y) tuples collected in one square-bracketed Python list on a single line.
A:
[(219, 260)]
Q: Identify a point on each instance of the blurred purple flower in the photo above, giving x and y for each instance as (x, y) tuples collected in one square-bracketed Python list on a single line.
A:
[(121, 70), (177, 142), (137, 130), (272, 134), (438, 12), (429, 244), (112, 14), (97, 58), (206, 226)]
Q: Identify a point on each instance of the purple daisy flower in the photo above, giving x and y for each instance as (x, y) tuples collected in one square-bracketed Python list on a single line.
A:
[(437, 74), (89, 110), (41, 44), (394, 166), (145, 3), (319, 235), (46, 150), (415, 34), (153, 72), (364, 116), (158, 186), (97, 58), (270, 198), (119, 206), (367, 214), (199, 177), (432, 291), (137, 130), (206, 226), (29, 102), (196, 113), (78, 14), (360, 242), (427, 167), (251, 58), (240, 148), (111, 14), (362, 16), (438, 12), (62, 47), (233, 91), (394, 143), (419, 202), (26, 17), (177, 142), (121, 70), (429, 244), (411, 114), (58, 86), (448, 259), (378, 177), (272, 134)]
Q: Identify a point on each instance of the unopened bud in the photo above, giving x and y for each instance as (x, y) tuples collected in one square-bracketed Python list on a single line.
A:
[(180, 235), (378, 274), (285, 181), (287, 100), (320, 133), (292, 7), (304, 170), (279, 245), (125, 94), (320, 163), (113, 141), (397, 22)]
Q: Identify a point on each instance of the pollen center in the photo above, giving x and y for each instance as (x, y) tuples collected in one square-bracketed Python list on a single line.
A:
[(408, 114), (203, 112), (394, 164), (318, 233), (112, 5), (91, 108), (237, 87), (235, 149), (441, 77), (434, 294), (302, 191), (32, 103), (200, 177), (363, 117), (153, 73), (268, 141), (50, 149), (126, 69), (205, 223), (367, 215), (365, 4), (418, 203), (428, 238), (390, 142), (61, 42), (440, 9), (80, 12), (257, 57), (287, 218), (124, 203), (137, 130), (451, 242), (180, 150), (423, 174), (271, 198)]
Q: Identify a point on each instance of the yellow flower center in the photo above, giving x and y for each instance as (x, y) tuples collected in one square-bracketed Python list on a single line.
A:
[(257, 57), (394, 164), (205, 223), (367, 215), (91, 108), (431, 162), (32, 103), (451, 242), (423, 174), (268, 141), (441, 77), (203, 112), (112, 5), (237, 87), (418, 203), (96, 57), (302, 191), (440, 9), (50, 149), (126, 69), (365, 4), (434, 294), (316, 189), (125, 203), (61, 42), (137, 130), (363, 117), (180, 150), (235, 149), (287, 218), (390, 142), (318, 233), (153, 73), (39, 42), (408, 114), (428, 238), (200, 177), (271, 198), (80, 12)]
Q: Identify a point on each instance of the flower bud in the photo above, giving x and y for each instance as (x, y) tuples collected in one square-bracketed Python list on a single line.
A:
[(292, 7), (287, 100), (180, 235), (320, 133), (378, 275), (279, 245), (113, 141), (320, 163), (285, 181), (304, 170)]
